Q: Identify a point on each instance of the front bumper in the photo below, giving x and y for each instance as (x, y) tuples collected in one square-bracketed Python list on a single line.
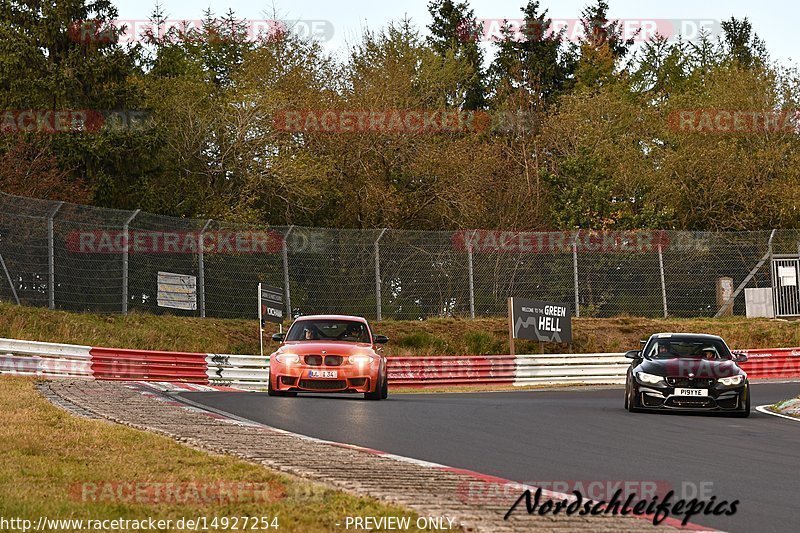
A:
[(350, 378), (720, 398)]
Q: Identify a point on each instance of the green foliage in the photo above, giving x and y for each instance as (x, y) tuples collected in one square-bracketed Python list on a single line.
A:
[(423, 342), (592, 142), (482, 343)]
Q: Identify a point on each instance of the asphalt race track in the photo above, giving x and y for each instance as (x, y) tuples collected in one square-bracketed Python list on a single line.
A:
[(565, 435)]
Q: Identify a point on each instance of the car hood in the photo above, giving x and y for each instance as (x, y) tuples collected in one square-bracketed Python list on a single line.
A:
[(333, 348), (689, 368)]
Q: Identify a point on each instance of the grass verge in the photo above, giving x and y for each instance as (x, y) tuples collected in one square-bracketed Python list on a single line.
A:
[(435, 336), (61, 466), (790, 407)]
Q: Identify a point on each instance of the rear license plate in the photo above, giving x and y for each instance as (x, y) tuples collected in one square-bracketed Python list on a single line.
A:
[(324, 374), (691, 392)]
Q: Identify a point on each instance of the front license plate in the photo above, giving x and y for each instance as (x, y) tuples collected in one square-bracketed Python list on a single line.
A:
[(691, 392), (324, 374)]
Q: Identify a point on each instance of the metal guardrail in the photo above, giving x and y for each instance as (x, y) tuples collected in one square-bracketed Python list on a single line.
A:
[(251, 372), (45, 359)]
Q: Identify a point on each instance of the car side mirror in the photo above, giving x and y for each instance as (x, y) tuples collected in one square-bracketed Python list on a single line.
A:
[(633, 354), (278, 337), (381, 339), (739, 357)]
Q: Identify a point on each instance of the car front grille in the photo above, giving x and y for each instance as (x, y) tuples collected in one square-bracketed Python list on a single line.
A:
[(681, 401), (329, 360), (691, 383), (323, 384), (313, 360), (333, 360)]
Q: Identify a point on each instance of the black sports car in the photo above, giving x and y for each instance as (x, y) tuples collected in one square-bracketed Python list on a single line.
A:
[(681, 371)]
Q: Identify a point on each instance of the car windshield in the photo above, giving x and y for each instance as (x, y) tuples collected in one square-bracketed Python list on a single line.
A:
[(328, 330), (687, 348)]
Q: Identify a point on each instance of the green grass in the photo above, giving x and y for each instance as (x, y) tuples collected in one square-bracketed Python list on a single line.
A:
[(50, 457), (782, 406), (435, 336)]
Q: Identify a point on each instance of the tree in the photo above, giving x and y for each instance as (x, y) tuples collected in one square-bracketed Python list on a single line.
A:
[(456, 33), (536, 63), (744, 47), (602, 47)]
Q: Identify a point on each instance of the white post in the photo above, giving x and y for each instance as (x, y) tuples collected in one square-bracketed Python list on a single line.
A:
[(575, 274), (51, 267), (663, 283), (286, 291), (125, 247), (260, 323), (201, 275), (379, 311), (471, 277)]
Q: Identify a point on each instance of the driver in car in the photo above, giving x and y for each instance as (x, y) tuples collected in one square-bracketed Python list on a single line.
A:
[(709, 354), (354, 332), (663, 348)]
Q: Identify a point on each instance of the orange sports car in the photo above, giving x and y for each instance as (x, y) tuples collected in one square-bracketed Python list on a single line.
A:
[(329, 353)]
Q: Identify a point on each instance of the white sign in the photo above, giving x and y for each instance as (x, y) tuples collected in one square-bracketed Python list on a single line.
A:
[(788, 276), (177, 291)]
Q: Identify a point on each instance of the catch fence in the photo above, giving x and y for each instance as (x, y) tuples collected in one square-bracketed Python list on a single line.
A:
[(81, 258)]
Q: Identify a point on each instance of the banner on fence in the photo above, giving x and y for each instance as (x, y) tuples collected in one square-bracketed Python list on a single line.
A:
[(177, 291)]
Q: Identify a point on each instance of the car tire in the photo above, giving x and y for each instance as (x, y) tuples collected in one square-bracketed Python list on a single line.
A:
[(746, 412), (380, 389), (626, 396), (630, 402), (385, 388)]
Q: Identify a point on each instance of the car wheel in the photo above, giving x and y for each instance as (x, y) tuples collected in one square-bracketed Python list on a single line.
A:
[(626, 395), (631, 402), (746, 411), (385, 388), (379, 389)]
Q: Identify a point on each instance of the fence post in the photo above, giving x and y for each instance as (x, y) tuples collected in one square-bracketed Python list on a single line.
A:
[(379, 315), (471, 276), (663, 283), (201, 271), (286, 291), (125, 238), (51, 267), (575, 273)]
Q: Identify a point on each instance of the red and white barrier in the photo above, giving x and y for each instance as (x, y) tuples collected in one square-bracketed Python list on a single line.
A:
[(772, 363), (251, 372)]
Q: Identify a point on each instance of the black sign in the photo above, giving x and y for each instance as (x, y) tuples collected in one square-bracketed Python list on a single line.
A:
[(541, 321), (271, 302)]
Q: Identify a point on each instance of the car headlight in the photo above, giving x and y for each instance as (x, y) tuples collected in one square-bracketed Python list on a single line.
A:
[(360, 359), (287, 358), (733, 380), (644, 377)]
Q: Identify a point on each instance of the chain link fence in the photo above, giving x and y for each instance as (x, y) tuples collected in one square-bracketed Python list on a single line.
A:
[(80, 258)]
